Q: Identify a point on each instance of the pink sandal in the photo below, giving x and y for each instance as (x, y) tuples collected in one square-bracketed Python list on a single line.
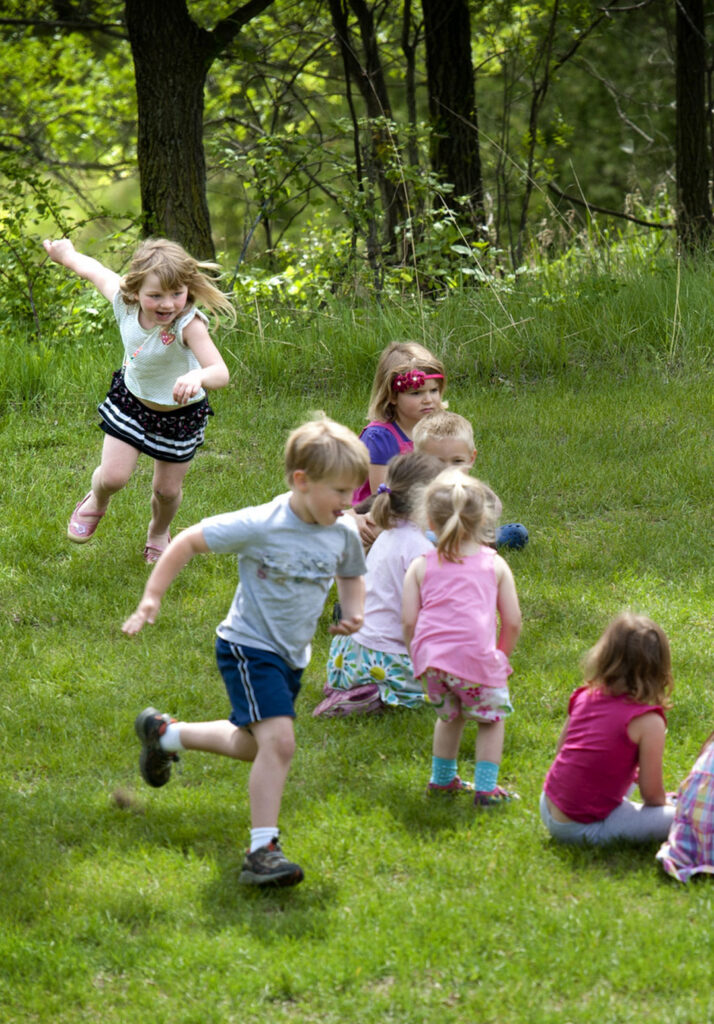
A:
[(78, 530), (152, 554)]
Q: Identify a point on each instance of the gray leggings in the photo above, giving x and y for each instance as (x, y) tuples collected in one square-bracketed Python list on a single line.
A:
[(628, 821)]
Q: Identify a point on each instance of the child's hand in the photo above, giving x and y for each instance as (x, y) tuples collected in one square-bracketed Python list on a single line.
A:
[(346, 626), (187, 386), (146, 612), (368, 529), (59, 251)]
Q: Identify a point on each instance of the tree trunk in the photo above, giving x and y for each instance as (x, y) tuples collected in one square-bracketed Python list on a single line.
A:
[(172, 56), (455, 154), (694, 212), (368, 75)]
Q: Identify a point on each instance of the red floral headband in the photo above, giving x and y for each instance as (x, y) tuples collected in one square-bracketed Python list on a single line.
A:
[(413, 380)]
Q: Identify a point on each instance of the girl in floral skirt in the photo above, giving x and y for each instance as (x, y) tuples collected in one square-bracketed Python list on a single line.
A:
[(371, 670)]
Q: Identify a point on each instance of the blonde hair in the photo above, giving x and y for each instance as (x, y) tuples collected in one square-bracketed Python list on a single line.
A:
[(399, 357), (632, 657), (460, 508), (407, 474), (441, 425), (325, 449), (175, 269)]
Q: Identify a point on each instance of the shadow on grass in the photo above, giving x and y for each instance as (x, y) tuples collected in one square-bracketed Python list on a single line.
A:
[(616, 859)]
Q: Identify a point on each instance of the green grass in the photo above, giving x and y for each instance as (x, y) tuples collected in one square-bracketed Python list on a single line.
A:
[(121, 904)]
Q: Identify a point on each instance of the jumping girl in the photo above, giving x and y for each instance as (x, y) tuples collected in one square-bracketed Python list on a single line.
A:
[(157, 401)]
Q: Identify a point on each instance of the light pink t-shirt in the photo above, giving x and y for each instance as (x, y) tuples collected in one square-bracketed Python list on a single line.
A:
[(457, 623), (596, 764), (387, 562)]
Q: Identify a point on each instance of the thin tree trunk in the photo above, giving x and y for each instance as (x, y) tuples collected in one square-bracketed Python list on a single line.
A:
[(455, 153), (694, 212)]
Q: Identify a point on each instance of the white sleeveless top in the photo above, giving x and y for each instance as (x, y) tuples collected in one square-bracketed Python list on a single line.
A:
[(154, 359)]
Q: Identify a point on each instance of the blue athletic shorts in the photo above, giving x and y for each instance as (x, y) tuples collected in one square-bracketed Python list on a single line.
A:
[(259, 683)]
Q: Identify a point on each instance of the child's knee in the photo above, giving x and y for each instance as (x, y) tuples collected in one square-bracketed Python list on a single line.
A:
[(110, 478), (279, 738), (167, 495)]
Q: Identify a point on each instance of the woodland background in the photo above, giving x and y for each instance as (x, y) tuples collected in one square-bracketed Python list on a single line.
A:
[(341, 147)]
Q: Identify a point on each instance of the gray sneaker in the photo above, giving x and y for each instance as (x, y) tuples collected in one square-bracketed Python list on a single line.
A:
[(154, 763), (268, 865)]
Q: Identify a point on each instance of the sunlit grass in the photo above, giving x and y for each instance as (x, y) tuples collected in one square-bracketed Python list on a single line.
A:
[(121, 904)]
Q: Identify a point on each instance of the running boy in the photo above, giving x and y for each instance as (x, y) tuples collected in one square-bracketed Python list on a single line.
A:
[(289, 550), (451, 438)]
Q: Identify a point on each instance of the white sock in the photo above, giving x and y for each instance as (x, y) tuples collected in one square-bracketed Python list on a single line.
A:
[(171, 740), (262, 836)]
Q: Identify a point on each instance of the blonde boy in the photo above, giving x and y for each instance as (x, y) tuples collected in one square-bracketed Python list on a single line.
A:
[(450, 437), (289, 551)]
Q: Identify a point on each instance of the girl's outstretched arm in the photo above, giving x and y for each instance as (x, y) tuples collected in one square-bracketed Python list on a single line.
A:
[(180, 551), (648, 731), (350, 591), (411, 598), (213, 373), (509, 610), (62, 251)]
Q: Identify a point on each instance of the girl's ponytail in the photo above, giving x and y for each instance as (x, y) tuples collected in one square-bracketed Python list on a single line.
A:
[(399, 496)]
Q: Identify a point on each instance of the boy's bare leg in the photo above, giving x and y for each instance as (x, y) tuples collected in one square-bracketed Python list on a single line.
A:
[(275, 739), (221, 737)]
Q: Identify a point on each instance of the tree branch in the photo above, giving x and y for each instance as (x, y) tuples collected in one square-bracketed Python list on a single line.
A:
[(610, 213)]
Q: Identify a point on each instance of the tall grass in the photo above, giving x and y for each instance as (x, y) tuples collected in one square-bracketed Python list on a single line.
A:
[(557, 322), (121, 904)]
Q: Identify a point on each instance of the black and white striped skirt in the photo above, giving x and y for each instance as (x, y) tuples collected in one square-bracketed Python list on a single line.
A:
[(170, 436)]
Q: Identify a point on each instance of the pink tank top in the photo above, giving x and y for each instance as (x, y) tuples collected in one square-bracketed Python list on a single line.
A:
[(596, 764), (404, 446), (457, 624)]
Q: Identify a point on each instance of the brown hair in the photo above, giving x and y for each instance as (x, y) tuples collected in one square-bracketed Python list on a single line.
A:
[(175, 269), (325, 449), (399, 357), (460, 508), (632, 657), (407, 474)]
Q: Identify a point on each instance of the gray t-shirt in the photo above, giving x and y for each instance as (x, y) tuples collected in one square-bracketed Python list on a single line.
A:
[(286, 568)]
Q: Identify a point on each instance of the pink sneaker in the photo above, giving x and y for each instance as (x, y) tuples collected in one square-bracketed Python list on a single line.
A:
[(79, 530), (456, 785), (494, 797)]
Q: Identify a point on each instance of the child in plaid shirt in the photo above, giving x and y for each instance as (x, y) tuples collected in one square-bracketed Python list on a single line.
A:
[(689, 849)]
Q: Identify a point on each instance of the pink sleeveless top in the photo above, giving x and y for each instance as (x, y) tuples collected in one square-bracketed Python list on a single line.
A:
[(596, 764), (405, 445), (457, 624)]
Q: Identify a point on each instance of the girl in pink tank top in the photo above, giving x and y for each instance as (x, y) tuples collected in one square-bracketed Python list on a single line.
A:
[(613, 738), (452, 599)]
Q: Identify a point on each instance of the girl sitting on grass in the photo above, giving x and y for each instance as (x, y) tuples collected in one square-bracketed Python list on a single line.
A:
[(408, 385), (613, 737), (689, 849), (451, 599), (371, 670)]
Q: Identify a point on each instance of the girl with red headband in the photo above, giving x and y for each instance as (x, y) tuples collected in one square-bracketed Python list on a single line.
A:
[(408, 385)]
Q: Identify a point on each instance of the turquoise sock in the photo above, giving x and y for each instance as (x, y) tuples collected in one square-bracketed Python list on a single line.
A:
[(486, 776), (443, 770)]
